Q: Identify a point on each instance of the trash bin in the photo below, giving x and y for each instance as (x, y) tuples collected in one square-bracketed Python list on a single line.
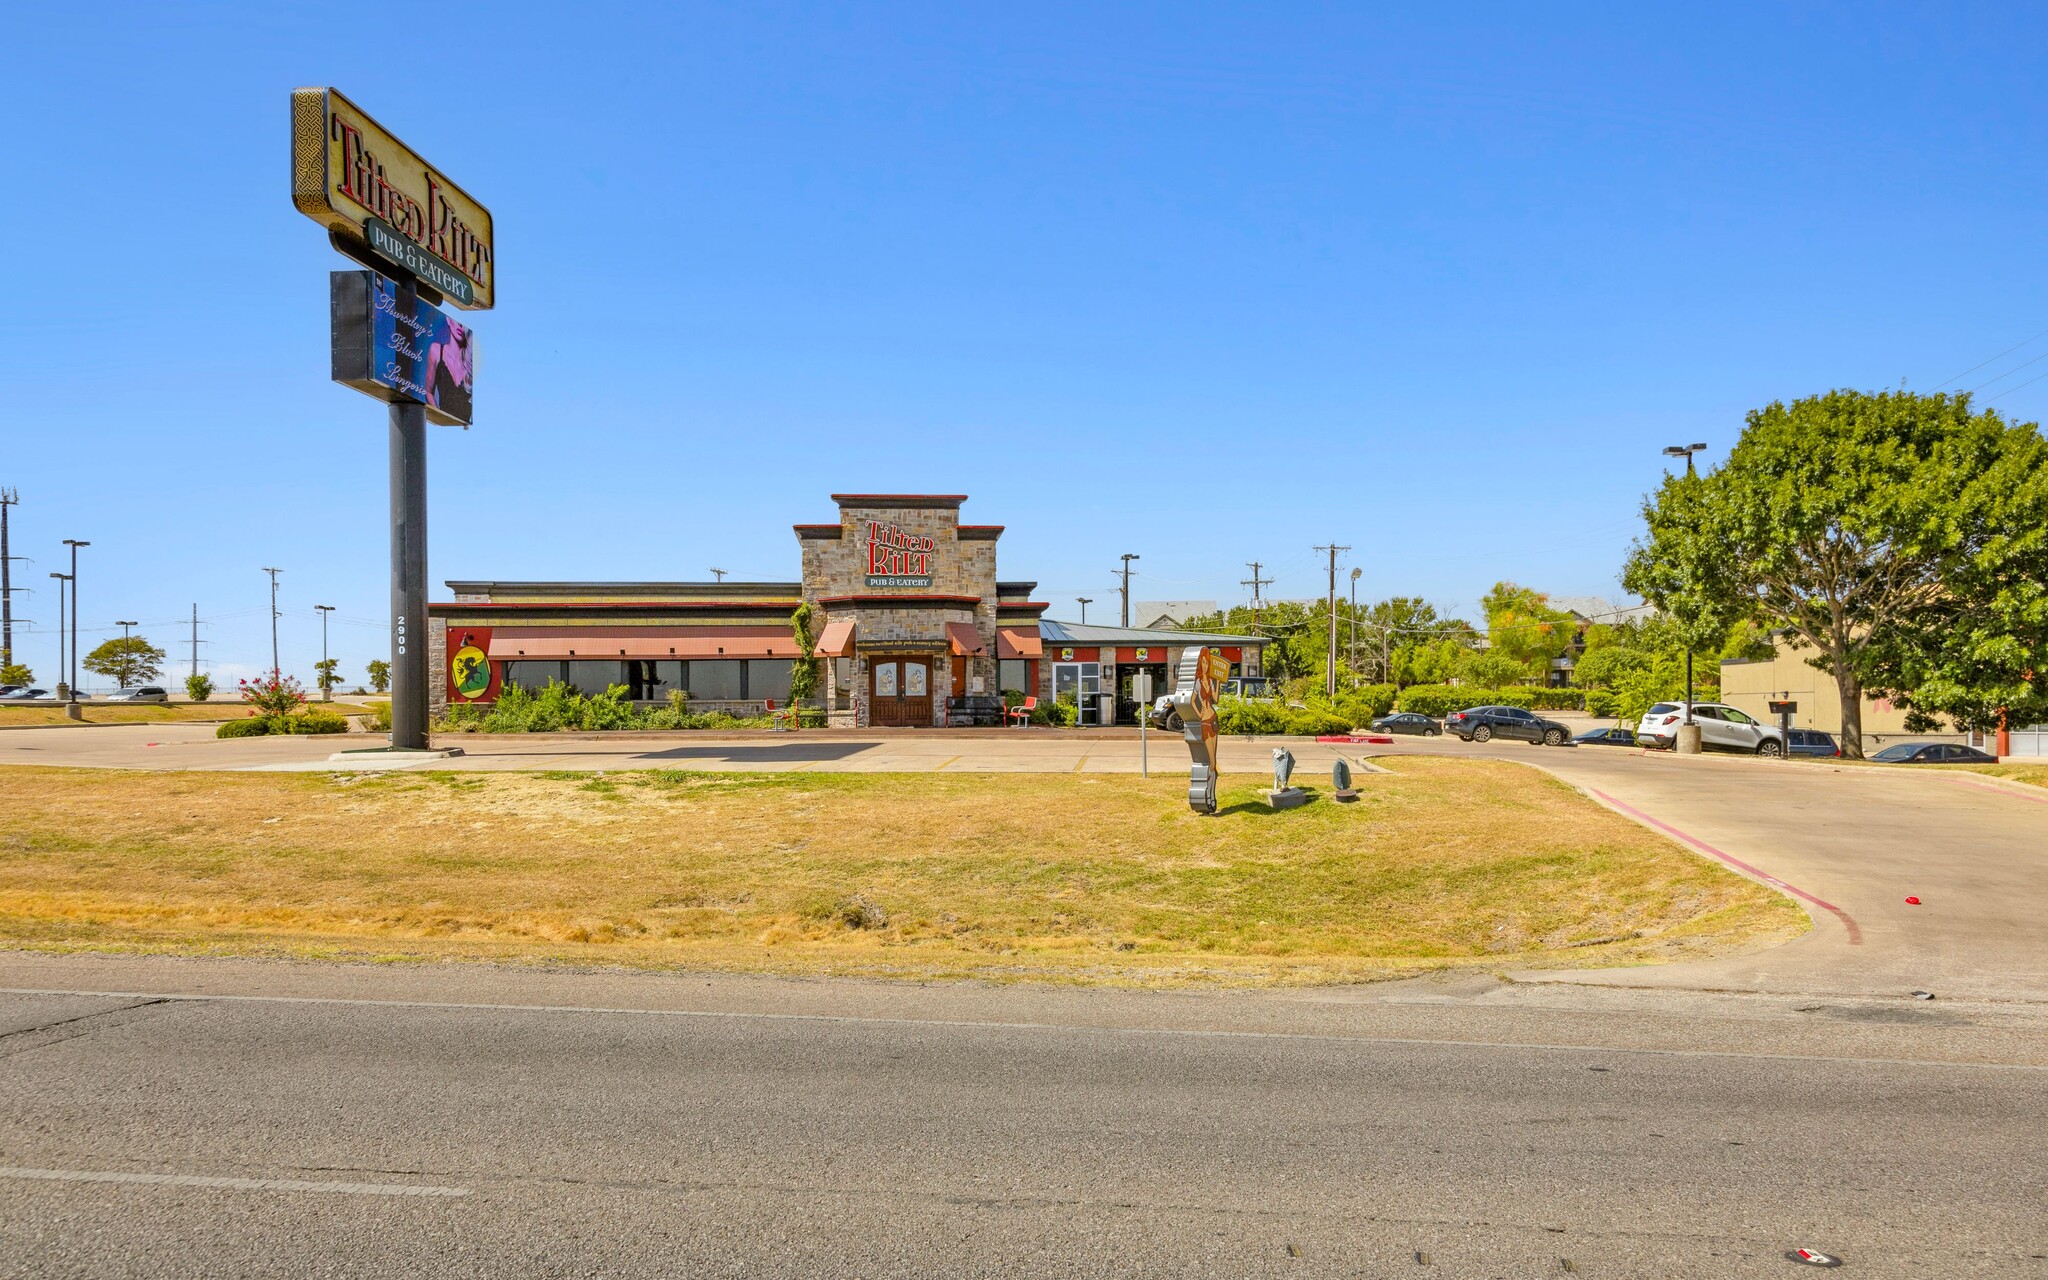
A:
[(1105, 709)]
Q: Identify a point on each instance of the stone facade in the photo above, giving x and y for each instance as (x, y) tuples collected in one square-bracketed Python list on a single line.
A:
[(903, 620)]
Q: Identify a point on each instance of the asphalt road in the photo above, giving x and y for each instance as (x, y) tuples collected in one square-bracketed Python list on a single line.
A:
[(680, 1127)]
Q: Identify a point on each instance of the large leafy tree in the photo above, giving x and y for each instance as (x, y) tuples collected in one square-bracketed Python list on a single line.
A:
[(1902, 537), (1524, 628), (126, 660)]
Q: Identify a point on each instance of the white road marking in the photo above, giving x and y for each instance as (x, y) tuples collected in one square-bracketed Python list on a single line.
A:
[(230, 1184)]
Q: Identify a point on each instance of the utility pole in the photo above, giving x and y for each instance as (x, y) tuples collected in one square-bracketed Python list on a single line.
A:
[(1330, 672), (1255, 582), (195, 640), (719, 574), (275, 669), (124, 624), (1128, 557), (1084, 602), (324, 610), (74, 544), (8, 498), (1354, 624)]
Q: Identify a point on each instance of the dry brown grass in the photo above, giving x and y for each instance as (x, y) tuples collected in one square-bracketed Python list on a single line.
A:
[(2034, 774), (142, 712), (1069, 878)]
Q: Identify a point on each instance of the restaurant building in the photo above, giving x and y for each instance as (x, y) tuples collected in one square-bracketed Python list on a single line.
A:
[(912, 622)]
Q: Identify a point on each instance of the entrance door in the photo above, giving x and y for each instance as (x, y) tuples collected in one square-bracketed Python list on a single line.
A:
[(900, 693)]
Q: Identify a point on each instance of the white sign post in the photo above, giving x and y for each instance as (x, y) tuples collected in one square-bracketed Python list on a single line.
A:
[(1141, 690)]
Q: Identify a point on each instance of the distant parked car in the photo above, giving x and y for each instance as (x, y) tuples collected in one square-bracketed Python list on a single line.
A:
[(1722, 728), (1408, 722), (1615, 737), (1483, 724), (25, 694), (1812, 742), (6, 689), (141, 693), (1932, 753), (1251, 687)]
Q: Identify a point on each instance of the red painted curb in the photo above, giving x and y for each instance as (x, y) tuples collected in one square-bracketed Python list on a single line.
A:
[(1848, 921), (1980, 786)]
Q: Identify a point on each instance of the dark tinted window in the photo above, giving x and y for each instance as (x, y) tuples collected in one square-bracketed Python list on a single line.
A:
[(1663, 708)]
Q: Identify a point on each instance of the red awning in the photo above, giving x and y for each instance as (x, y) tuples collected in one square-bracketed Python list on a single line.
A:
[(1019, 642), (514, 643), (837, 642), (963, 638)]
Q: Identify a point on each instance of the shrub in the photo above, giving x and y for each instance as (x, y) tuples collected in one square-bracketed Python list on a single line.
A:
[(1313, 721), (273, 695), (315, 721), (1602, 702), (253, 727), (1559, 699), (379, 717), (1251, 715), (198, 687), (608, 710), (1059, 714), (1442, 699)]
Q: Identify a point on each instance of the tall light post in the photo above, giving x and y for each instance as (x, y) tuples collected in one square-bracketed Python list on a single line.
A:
[(74, 544), (124, 625), (325, 694), (1084, 602), (1686, 451), (61, 578), (1127, 558), (275, 670)]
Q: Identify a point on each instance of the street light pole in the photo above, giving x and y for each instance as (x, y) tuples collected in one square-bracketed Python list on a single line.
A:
[(325, 694), (124, 625), (61, 578), (74, 544), (1084, 602), (1686, 451), (1354, 625)]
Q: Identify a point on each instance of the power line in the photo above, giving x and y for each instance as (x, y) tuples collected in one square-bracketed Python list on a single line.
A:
[(2000, 356), (2007, 374)]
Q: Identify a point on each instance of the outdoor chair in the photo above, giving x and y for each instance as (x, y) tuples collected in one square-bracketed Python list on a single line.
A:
[(1021, 713)]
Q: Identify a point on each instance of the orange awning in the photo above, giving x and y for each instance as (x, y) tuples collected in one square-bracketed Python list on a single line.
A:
[(514, 643), (837, 642), (963, 638), (1019, 642)]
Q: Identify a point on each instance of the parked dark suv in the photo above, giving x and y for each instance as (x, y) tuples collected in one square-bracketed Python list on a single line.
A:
[(1483, 724)]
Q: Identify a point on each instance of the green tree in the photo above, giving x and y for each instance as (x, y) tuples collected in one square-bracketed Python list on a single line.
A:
[(1524, 628), (126, 660), (380, 674), (198, 687), (803, 673), (1488, 669), (16, 673), (1902, 537), (327, 674)]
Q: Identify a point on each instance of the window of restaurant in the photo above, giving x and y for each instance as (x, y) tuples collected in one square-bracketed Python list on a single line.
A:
[(592, 678), (1014, 673), (769, 678), (530, 675), (651, 681), (716, 680), (1079, 682)]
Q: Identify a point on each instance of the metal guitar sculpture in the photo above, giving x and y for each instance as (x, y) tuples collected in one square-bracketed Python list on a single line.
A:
[(1196, 686)]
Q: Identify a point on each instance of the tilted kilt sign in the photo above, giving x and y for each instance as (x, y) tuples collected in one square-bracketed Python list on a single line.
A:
[(898, 559), (377, 194)]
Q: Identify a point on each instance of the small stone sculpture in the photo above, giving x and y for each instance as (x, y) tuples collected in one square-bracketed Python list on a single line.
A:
[(1283, 767)]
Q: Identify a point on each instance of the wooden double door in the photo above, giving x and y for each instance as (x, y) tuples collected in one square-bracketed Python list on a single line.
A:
[(900, 692)]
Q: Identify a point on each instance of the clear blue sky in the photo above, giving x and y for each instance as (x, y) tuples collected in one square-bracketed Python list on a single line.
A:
[(1208, 284)]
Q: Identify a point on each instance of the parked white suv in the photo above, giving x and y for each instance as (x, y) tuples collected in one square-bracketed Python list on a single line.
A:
[(1722, 728)]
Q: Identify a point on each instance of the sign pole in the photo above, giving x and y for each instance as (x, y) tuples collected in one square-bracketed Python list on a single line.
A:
[(408, 573)]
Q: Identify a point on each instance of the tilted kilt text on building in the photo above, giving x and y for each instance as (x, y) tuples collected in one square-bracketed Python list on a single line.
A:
[(912, 624)]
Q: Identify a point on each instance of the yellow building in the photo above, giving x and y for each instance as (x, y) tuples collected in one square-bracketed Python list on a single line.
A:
[(1753, 686)]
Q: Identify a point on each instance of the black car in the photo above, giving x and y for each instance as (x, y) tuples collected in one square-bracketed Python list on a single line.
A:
[(1932, 753), (1615, 737), (1408, 722), (1483, 724)]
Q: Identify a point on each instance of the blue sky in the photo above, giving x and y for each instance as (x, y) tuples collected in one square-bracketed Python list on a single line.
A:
[(1210, 284)]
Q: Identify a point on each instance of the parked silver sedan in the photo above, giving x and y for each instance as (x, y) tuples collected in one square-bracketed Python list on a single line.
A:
[(141, 693)]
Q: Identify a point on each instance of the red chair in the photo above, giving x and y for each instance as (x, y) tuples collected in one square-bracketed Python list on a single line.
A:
[(1021, 713)]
